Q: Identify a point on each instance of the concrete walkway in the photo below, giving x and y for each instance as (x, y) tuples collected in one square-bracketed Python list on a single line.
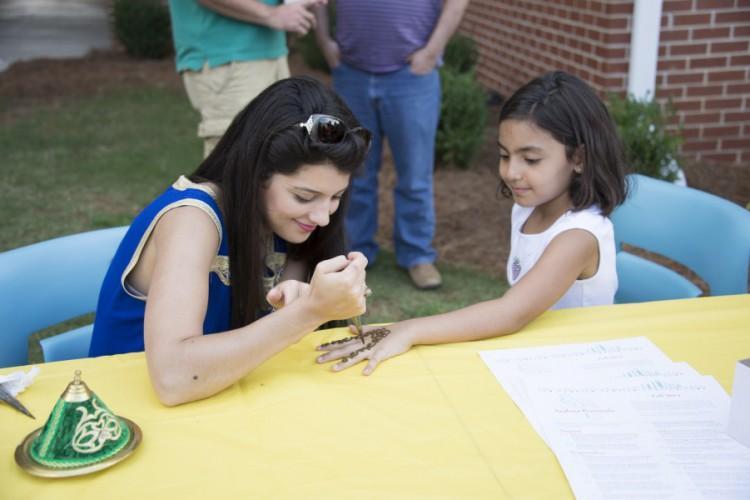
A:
[(31, 29)]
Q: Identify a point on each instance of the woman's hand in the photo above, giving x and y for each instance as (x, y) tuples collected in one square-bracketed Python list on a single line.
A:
[(337, 287), (287, 292), (376, 345)]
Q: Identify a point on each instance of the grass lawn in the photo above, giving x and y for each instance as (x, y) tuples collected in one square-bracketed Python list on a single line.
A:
[(83, 164), (91, 163)]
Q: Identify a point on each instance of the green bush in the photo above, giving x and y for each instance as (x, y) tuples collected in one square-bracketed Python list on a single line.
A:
[(461, 54), (143, 27), (308, 46), (463, 115), (650, 149), (311, 53)]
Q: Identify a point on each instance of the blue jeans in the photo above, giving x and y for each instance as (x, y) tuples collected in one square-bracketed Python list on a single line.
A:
[(404, 108)]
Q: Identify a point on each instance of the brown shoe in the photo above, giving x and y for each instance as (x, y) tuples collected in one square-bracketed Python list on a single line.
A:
[(425, 276)]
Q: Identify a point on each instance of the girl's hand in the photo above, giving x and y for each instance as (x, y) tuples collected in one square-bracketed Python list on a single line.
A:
[(337, 287), (355, 349), (287, 292)]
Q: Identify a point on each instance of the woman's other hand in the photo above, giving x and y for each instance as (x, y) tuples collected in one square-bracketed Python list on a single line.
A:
[(287, 292)]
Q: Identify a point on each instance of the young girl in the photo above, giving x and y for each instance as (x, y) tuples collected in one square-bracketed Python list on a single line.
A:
[(243, 233), (561, 161)]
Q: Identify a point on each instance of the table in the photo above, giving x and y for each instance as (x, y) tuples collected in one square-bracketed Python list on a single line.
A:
[(433, 423)]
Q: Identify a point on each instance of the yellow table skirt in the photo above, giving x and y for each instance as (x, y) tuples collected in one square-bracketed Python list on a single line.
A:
[(433, 423)]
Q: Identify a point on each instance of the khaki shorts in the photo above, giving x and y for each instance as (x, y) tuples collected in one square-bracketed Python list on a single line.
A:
[(218, 94)]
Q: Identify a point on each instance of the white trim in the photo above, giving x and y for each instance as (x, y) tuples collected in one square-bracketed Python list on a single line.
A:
[(644, 48), (183, 183), (191, 202)]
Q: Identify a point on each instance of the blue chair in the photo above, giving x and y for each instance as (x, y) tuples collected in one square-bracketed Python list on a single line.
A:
[(73, 344), (705, 233), (47, 283)]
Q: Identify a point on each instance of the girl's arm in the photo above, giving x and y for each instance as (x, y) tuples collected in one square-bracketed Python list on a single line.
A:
[(186, 365), (562, 263), (570, 255)]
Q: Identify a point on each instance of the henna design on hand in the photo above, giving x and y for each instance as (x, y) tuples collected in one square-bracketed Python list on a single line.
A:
[(374, 337), (370, 338), (336, 342)]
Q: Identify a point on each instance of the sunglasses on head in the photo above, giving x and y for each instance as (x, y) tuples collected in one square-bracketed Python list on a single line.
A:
[(328, 129)]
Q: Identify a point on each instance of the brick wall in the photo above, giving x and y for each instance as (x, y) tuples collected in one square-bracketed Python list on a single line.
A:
[(704, 64), (520, 39)]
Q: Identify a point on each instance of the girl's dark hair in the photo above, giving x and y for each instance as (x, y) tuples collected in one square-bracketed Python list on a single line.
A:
[(265, 139), (570, 111)]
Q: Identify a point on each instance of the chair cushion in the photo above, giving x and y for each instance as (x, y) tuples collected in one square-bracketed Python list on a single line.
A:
[(69, 345), (642, 280)]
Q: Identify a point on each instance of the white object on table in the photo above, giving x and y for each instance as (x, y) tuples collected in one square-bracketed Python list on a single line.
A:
[(16, 382), (739, 413)]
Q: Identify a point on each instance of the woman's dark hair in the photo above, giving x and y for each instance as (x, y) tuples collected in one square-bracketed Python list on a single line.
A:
[(265, 139), (572, 113)]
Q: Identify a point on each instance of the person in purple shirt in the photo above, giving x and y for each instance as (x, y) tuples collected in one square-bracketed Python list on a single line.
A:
[(384, 60)]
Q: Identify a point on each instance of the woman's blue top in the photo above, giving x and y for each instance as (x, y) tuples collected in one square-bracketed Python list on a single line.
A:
[(118, 327)]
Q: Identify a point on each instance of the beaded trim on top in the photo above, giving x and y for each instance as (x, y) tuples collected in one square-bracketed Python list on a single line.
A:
[(275, 262), (220, 267)]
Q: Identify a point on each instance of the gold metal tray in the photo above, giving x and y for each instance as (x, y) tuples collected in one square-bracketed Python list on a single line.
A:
[(24, 460)]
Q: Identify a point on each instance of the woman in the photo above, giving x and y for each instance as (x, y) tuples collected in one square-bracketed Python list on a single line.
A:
[(240, 236)]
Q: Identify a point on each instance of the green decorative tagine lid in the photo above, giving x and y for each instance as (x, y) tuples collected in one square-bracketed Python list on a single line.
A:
[(81, 434)]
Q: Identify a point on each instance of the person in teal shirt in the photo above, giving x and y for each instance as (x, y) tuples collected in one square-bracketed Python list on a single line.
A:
[(228, 52)]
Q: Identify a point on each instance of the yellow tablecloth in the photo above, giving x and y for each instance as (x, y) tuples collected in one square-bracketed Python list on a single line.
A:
[(433, 423)]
